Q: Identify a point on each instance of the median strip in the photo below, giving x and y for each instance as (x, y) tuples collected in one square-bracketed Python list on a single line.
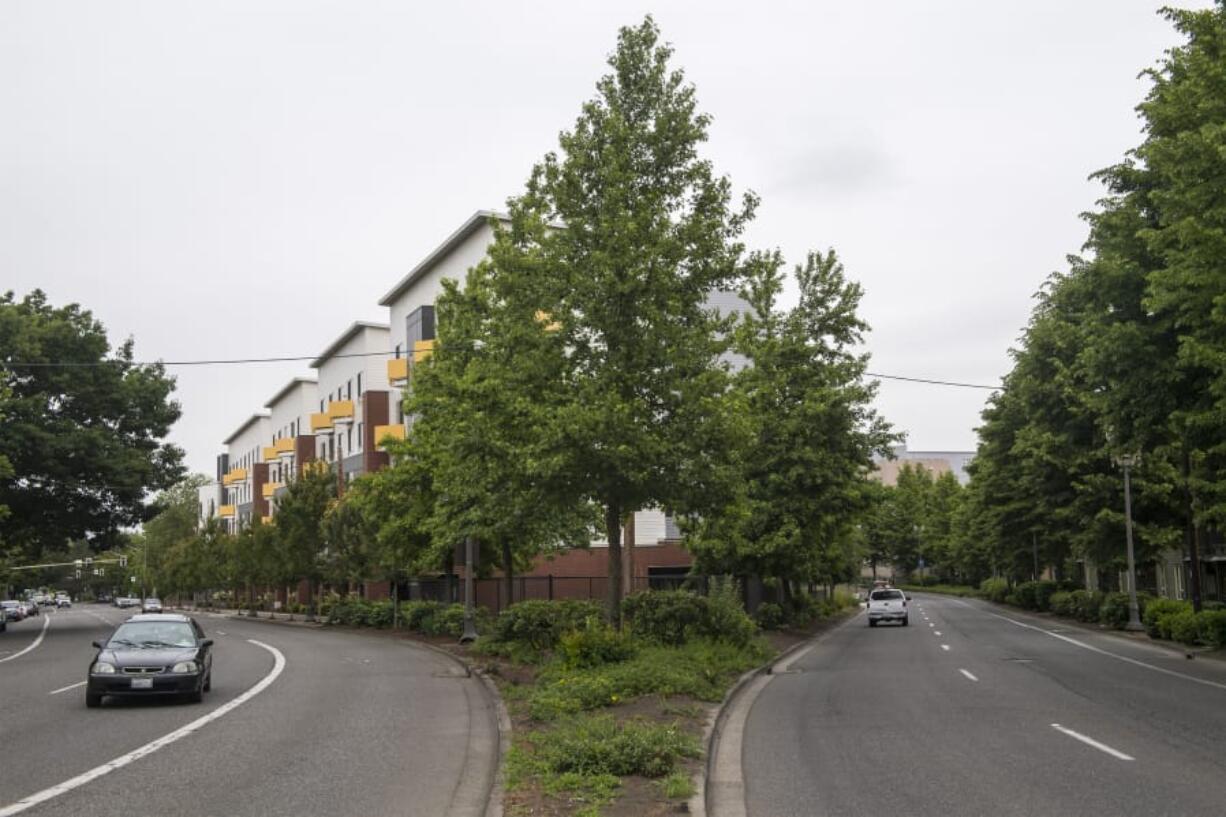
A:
[(1089, 741), (151, 747)]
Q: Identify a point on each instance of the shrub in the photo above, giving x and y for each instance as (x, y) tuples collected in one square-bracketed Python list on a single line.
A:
[(1211, 627), (994, 589), (594, 644), (599, 745), (673, 617), (540, 624), (1061, 603), (769, 616), (1183, 626), (1085, 605), (1156, 610)]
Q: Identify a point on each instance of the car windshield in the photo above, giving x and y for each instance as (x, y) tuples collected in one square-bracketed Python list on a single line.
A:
[(886, 595), (154, 634)]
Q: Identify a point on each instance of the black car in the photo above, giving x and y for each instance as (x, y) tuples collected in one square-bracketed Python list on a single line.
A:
[(152, 655)]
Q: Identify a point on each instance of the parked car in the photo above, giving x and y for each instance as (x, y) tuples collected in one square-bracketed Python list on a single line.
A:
[(31, 609), (13, 611), (152, 655), (887, 605), (63, 600), (151, 606), (126, 601)]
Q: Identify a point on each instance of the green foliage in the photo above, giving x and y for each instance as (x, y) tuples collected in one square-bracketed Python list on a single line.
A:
[(1159, 609), (1211, 628), (673, 617), (1183, 626), (1114, 609), (945, 590), (87, 440), (594, 644), (994, 589), (1035, 595), (1085, 605), (678, 786), (769, 616), (1061, 603), (539, 625), (597, 745)]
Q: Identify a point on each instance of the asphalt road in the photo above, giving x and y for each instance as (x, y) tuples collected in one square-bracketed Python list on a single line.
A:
[(352, 724), (975, 710)]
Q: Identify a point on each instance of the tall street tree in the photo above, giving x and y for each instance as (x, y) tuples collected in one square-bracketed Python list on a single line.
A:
[(84, 428), (647, 232)]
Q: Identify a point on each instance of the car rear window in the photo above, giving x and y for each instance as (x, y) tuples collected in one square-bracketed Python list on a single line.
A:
[(886, 595)]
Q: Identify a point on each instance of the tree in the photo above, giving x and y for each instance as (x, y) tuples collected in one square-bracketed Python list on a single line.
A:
[(812, 431), (84, 428), (301, 512), (175, 521), (648, 232)]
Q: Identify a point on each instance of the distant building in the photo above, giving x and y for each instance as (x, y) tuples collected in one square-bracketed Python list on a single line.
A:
[(938, 462)]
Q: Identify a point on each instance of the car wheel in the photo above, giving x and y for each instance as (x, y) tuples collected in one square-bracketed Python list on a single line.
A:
[(195, 697), (872, 622), (93, 701), (904, 621), (208, 682)]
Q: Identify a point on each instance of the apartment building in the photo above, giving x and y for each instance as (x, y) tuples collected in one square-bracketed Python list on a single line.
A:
[(245, 474), (352, 399), (291, 445)]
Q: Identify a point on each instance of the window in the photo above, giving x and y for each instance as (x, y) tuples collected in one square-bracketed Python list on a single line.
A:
[(398, 351), (349, 389), (359, 384), (360, 436), (349, 439)]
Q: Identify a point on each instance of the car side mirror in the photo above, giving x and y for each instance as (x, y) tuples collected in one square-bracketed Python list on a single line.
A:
[(97, 644), (208, 642)]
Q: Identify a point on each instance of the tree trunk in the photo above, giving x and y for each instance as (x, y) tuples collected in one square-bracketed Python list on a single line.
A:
[(612, 522), (1191, 533), (628, 544), (508, 571)]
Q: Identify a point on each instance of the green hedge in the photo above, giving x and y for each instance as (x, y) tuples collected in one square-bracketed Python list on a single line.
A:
[(673, 617), (994, 589), (539, 625)]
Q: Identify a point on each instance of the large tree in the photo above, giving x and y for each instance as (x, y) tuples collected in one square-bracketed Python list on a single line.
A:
[(648, 231), (812, 431), (84, 428)]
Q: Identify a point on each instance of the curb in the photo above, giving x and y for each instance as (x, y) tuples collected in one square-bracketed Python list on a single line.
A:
[(493, 804), (716, 723)]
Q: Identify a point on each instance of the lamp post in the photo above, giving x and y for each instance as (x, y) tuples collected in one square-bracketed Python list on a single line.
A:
[(470, 625), (1134, 615)]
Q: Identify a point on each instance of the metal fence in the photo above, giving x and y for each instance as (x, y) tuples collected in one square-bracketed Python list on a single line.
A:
[(492, 593)]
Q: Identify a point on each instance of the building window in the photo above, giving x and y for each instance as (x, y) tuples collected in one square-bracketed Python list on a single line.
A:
[(349, 439), (359, 436), (349, 389), (398, 351), (359, 384)]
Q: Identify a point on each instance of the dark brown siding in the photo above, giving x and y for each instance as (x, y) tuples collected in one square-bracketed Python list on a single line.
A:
[(374, 413)]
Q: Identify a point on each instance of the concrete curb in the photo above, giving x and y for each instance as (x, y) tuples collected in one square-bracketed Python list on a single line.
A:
[(717, 722)]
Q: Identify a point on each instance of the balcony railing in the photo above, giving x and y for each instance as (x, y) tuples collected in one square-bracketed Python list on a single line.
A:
[(422, 349), (269, 453), (341, 411), (398, 371), (270, 489)]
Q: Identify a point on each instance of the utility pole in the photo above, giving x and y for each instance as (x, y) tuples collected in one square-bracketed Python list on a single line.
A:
[(1034, 544), (470, 626), (1134, 615)]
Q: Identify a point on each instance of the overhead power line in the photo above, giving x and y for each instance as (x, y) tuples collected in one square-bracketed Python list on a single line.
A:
[(69, 364)]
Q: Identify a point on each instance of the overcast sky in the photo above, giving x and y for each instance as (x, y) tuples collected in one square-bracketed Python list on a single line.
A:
[(237, 179)]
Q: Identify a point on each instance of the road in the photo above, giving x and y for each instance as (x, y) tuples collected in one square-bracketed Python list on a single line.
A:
[(352, 724), (978, 710)]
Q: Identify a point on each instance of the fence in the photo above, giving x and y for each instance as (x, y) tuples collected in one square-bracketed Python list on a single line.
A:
[(492, 593)]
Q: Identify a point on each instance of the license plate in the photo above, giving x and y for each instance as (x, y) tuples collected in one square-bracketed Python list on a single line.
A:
[(142, 683)]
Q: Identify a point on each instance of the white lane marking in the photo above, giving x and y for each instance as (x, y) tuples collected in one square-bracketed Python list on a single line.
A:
[(1089, 741), (1116, 656), (37, 641), (945, 647), (968, 675), (219, 632), (151, 747), (930, 624), (65, 689), (936, 632)]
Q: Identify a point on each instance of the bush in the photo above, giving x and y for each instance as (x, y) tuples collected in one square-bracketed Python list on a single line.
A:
[(994, 589), (673, 617), (769, 616), (594, 644), (1157, 610), (1085, 605), (1183, 626), (599, 745), (1035, 595), (1061, 603), (418, 615), (540, 624), (1211, 628)]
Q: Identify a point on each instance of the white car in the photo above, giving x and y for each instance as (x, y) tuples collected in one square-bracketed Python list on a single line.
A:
[(63, 601), (151, 606), (887, 604)]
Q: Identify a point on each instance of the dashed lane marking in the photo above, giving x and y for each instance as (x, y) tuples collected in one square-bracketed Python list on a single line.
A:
[(65, 689), (945, 647), (968, 675), (1089, 741)]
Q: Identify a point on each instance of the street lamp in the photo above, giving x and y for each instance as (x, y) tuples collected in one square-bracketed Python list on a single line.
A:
[(1134, 614)]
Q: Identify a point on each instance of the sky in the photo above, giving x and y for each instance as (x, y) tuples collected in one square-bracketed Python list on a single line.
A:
[(245, 179)]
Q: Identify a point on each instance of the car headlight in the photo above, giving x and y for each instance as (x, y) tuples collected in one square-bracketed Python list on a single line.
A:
[(104, 669), (185, 666)]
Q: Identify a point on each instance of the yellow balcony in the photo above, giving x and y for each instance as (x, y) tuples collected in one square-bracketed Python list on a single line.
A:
[(422, 349), (398, 370), (285, 445), (226, 511), (315, 467), (385, 433), (270, 489), (320, 421), (234, 475), (269, 453), (341, 410)]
